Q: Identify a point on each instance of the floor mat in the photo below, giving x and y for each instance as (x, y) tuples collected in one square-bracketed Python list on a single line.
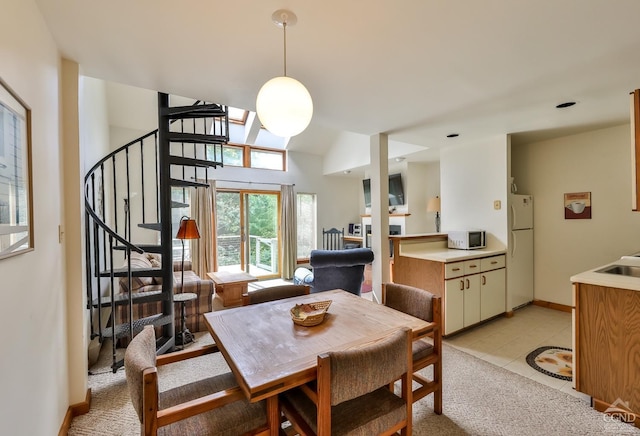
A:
[(555, 362)]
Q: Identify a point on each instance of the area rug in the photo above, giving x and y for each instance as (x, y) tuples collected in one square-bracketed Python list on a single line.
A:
[(478, 399), (555, 362)]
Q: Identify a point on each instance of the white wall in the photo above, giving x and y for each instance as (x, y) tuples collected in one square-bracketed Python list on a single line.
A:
[(472, 177), (34, 363), (596, 162)]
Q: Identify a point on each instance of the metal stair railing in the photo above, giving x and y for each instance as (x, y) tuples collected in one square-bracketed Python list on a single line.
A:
[(138, 177)]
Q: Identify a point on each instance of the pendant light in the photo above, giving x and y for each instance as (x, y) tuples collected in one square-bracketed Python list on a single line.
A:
[(283, 104)]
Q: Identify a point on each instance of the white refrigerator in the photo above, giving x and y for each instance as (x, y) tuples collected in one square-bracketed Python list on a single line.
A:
[(520, 251)]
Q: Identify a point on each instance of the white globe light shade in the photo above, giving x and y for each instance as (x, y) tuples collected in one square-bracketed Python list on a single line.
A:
[(284, 106)]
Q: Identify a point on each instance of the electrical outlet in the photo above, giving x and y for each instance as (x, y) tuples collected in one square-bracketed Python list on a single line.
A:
[(497, 204)]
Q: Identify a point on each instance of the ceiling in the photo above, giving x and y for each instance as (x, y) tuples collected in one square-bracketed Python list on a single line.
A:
[(415, 69)]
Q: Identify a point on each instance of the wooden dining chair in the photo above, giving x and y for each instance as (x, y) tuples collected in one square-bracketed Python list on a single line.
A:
[(215, 405), (332, 239), (274, 293), (351, 394), (426, 350)]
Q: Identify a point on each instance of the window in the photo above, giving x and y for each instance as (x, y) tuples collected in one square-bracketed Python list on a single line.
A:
[(249, 156), (306, 210), (232, 155), (265, 159)]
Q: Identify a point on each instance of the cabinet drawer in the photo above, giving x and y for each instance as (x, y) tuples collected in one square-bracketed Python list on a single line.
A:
[(489, 263), (471, 266), (453, 270)]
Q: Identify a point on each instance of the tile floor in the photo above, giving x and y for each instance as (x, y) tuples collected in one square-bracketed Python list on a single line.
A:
[(505, 342)]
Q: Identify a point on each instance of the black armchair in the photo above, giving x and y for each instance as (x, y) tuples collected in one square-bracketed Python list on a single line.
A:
[(335, 269)]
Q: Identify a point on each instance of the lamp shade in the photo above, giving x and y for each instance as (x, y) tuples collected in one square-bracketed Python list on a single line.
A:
[(433, 205), (284, 106), (188, 229)]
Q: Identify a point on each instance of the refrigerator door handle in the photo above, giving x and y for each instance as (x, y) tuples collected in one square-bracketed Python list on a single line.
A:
[(513, 245), (513, 216)]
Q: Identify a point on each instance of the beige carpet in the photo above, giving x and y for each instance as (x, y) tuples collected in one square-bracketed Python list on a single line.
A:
[(479, 399)]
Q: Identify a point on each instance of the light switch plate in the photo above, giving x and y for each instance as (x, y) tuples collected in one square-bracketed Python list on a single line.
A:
[(497, 204)]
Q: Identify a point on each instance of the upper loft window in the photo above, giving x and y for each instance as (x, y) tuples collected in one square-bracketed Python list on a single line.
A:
[(250, 156)]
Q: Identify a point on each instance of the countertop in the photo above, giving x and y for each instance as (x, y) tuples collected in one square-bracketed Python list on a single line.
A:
[(447, 255), (592, 277)]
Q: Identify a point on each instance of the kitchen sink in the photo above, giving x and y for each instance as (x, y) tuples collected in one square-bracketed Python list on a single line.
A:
[(622, 270)]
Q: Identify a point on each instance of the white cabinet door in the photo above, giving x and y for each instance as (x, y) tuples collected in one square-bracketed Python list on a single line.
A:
[(453, 306), (471, 312), (492, 293)]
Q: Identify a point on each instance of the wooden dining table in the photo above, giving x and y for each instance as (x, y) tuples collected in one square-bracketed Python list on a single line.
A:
[(268, 353)]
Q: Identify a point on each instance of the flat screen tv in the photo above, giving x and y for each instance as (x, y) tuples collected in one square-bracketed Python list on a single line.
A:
[(396, 191)]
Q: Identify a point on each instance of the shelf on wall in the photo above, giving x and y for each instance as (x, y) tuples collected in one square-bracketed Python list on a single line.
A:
[(391, 214)]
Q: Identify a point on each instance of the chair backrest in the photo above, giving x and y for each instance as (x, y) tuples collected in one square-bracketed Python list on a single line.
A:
[(353, 373), (339, 269), (410, 300), (139, 357), (333, 239), (274, 293)]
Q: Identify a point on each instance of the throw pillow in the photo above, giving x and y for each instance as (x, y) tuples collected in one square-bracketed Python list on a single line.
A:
[(138, 261)]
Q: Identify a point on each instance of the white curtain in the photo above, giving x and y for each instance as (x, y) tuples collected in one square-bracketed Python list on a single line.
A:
[(203, 210), (289, 231)]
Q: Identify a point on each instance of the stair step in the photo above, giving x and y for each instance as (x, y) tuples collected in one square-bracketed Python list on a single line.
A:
[(197, 138), (187, 161), (135, 272), (122, 299), (144, 247), (122, 330), (178, 204), (151, 226), (187, 183), (194, 111)]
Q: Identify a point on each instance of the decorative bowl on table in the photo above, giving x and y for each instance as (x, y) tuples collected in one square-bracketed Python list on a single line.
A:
[(310, 314)]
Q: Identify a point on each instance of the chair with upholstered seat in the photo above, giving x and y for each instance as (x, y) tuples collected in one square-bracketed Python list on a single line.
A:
[(426, 351), (352, 395), (215, 405), (272, 293)]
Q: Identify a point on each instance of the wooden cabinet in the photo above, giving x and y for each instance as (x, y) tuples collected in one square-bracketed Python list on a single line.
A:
[(635, 149), (607, 346), (475, 290), (493, 287)]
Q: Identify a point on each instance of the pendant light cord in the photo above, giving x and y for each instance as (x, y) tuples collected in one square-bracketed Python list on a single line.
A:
[(284, 27)]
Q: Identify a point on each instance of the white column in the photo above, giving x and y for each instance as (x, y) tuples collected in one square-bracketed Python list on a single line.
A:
[(379, 151)]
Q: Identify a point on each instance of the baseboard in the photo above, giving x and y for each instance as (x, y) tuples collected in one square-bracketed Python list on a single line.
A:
[(554, 306), (617, 412), (73, 411)]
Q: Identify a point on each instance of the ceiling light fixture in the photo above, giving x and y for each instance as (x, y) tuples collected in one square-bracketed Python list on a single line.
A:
[(399, 159), (284, 105), (565, 104)]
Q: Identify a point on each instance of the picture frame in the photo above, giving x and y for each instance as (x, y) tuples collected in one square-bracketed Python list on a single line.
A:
[(16, 197), (577, 205)]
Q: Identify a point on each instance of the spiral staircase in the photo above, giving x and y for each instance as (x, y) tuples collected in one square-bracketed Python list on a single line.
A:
[(135, 183)]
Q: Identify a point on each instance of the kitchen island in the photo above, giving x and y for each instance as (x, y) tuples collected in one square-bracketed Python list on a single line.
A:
[(606, 335), (471, 282)]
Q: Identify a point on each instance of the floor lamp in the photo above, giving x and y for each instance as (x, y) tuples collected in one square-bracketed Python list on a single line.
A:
[(434, 206), (188, 230)]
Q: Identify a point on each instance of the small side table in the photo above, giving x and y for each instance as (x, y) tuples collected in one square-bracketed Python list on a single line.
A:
[(231, 285), (184, 336)]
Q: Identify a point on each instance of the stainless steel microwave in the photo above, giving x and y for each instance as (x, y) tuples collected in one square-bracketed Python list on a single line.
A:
[(467, 239)]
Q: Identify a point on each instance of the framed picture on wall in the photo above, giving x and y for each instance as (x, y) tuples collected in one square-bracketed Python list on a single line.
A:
[(577, 205), (16, 211)]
